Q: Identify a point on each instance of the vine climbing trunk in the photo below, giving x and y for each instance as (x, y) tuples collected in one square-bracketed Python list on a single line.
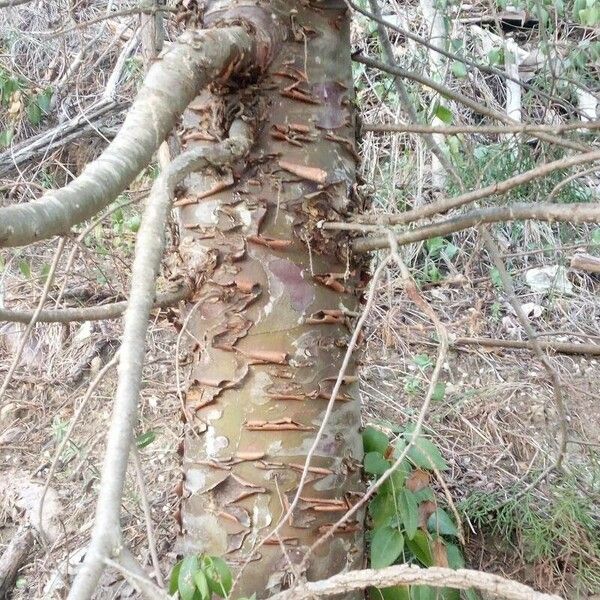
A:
[(269, 324)]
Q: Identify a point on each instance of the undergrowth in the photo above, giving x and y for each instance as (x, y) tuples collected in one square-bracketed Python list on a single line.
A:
[(562, 532)]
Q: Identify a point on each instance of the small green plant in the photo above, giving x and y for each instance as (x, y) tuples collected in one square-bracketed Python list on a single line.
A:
[(407, 524), (560, 532), (198, 577)]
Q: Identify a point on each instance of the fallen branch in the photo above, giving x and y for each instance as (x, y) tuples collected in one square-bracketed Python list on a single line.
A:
[(580, 212), (558, 347), (90, 313), (106, 534), (14, 557), (439, 577), (192, 62)]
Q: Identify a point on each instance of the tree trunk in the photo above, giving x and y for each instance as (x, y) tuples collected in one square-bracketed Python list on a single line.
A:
[(268, 324)]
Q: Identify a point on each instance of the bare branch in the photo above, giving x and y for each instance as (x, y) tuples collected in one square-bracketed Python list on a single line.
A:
[(482, 129), (460, 58), (195, 60), (559, 347), (407, 103), (439, 577), (494, 189), (106, 533), (579, 212), (462, 99), (91, 313), (511, 295)]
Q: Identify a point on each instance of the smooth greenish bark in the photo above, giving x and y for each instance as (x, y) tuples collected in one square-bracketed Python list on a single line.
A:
[(267, 326)]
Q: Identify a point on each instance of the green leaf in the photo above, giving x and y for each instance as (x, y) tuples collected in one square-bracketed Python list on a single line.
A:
[(396, 592), (218, 574), (423, 361), (34, 112), (424, 454), (133, 223), (386, 546), (421, 548), (25, 268), (596, 235), (174, 577), (458, 69), (145, 439), (440, 522), (456, 559), (495, 57), (202, 584), (444, 114), (375, 464), (185, 581), (382, 508), (6, 137), (408, 509), (424, 494), (439, 391), (423, 592), (450, 594), (374, 440)]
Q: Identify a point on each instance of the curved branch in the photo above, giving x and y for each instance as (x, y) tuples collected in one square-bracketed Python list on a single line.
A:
[(462, 99), (580, 212), (195, 60), (494, 189), (439, 577), (90, 313), (106, 533)]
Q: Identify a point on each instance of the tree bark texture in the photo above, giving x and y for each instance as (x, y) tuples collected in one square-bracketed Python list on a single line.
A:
[(267, 324)]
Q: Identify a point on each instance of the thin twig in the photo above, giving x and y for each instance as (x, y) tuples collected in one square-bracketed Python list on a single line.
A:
[(67, 436), (579, 212), (479, 129), (406, 101), (462, 99), (457, 57), (511, 296), (139, 475), (34, 318), (91, 313)]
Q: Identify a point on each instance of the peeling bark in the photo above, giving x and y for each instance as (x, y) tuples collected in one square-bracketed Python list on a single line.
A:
[(268, 330)]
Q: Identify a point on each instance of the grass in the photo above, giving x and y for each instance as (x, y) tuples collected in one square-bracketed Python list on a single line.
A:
[(562, 532)]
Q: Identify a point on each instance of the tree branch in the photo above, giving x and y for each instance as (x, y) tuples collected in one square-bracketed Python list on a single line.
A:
[(406, 101), (580, 212), (494, 189), (462, 99), (91, 313), (453, 56), (195, 60), (439, 577), (106, 533), (482, 129)]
